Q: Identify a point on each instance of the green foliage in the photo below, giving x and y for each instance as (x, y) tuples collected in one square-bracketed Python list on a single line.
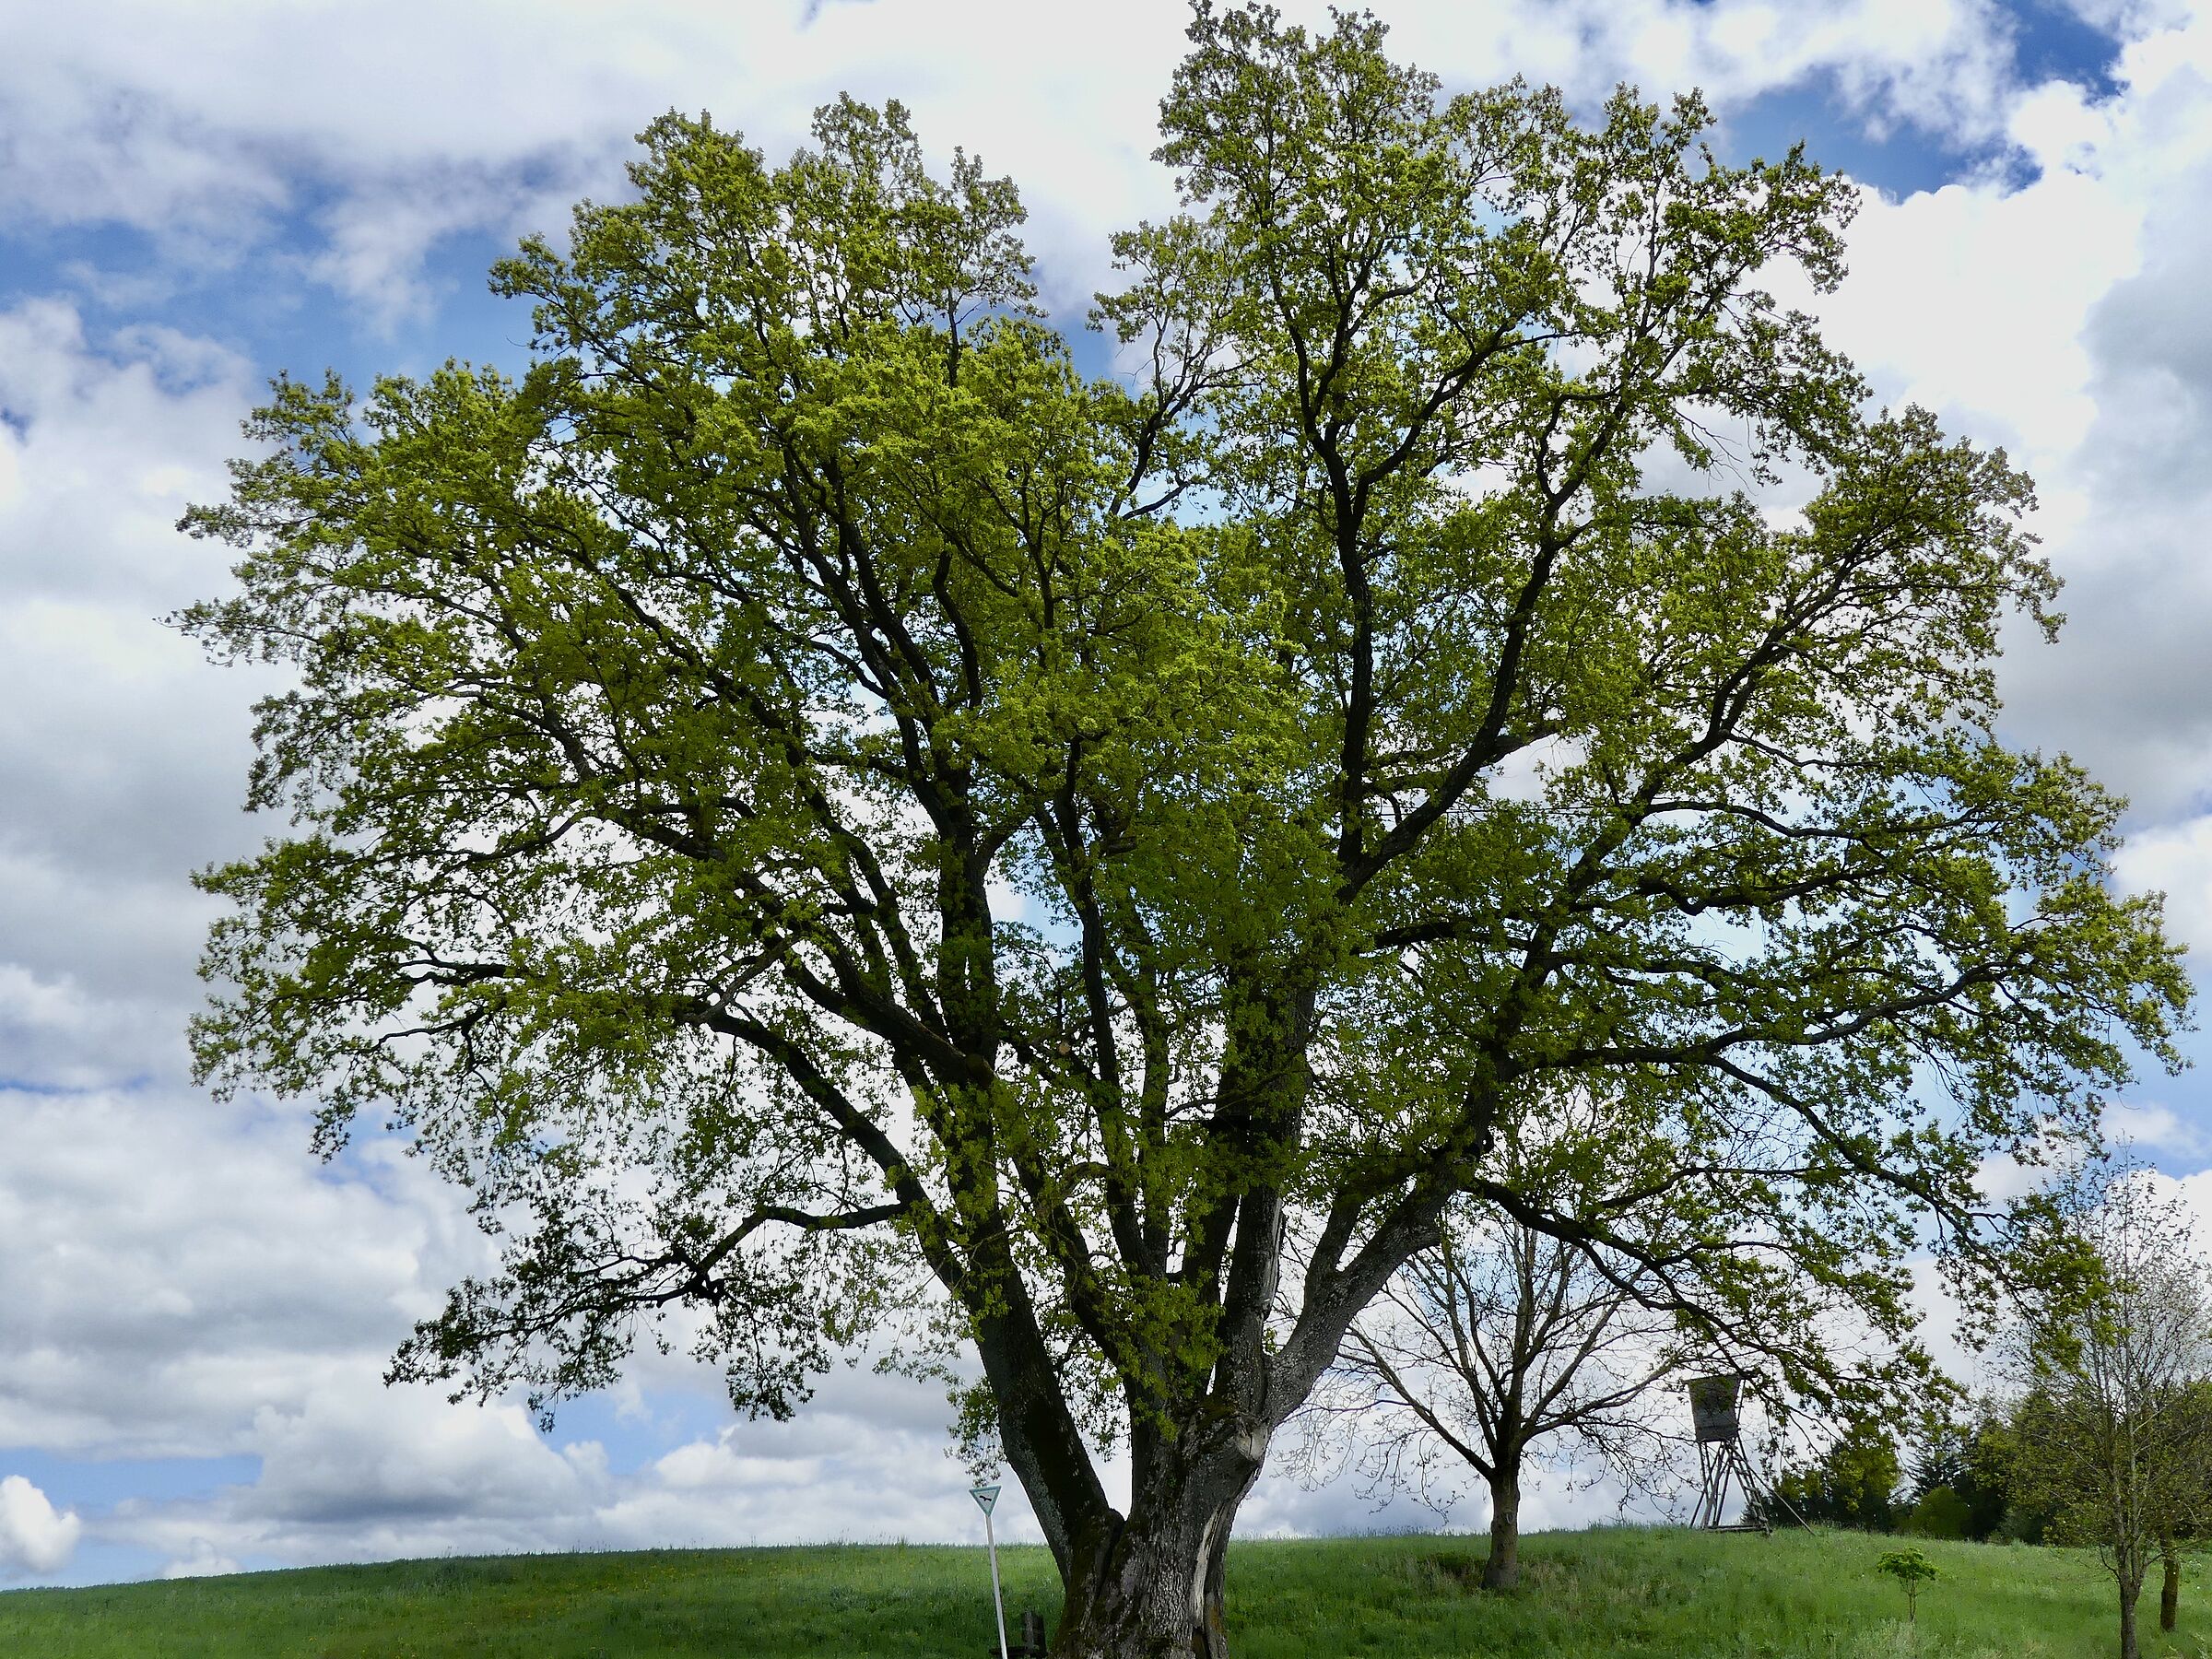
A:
[(1910, 1569), (1985, 1482), (1938, 1460), (1906, 1566), (810, 809), (1609, 1593), (2110, 1433), (1938, 1513), (1958, 1480), (1853, 1484)]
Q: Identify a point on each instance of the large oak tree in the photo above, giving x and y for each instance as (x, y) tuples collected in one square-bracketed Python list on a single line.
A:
[(803, 792)]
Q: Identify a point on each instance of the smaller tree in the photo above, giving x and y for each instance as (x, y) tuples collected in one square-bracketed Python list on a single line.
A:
[(1911, 1569), (2110, 1434), (1504, 1346), (1939, 1512), (1499, 1348), (2187, 1521)]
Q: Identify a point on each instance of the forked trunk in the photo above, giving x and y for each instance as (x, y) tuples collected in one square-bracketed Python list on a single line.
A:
[(1502, 1569), (1156, 1594)]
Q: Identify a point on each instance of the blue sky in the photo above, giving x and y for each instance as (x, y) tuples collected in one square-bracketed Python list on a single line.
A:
[(193, 1315)]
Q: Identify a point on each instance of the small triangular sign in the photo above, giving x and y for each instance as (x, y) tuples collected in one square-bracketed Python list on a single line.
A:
[(984, 1496)]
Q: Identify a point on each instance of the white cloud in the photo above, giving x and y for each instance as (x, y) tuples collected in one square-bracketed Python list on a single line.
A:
[(34, 1537), (360, 1472), (103, 444), (189, 1284), (2177, 861), (1944, 67), (201, 1560), (1971, 300), (2062, 318), (124, 758), (2196, 1194), (2152, 1126), (204, 125), (160, 1302)]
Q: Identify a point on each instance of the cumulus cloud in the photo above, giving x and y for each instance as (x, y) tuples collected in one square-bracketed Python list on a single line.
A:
[(34, 1538), (357, 1472), (1947, 68), (2176, 860), (2062, 319), (2195, 1190), (201, 1560), (407, 122), (2152, 1126), (164, 1294), (130, 773), (189, 1284)]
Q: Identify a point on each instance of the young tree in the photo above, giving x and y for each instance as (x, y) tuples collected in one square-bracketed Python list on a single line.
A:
[(801, 790), (2110, 1433), (1910, 1569), (1500, 1346)]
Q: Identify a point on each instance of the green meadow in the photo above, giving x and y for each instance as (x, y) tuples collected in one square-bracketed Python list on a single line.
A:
[(1589, 1594)]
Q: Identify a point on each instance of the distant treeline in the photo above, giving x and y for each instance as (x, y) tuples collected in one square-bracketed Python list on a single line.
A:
[(1962, 1483)]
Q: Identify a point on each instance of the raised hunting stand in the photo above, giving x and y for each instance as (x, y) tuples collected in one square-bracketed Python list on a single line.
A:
[(1720, 1461)]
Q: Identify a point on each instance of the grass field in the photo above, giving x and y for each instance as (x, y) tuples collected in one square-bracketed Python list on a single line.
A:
[(1589, 1595)]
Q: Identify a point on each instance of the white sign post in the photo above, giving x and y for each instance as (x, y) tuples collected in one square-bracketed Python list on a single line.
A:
[(985, 1497)]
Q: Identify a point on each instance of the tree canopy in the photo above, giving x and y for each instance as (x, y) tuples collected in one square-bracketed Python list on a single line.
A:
[(802, 793)]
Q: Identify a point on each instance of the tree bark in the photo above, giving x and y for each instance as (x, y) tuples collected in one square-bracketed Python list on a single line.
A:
[(1502, 1569), (2169, 1592), (2129, 1648), (1157, 1593)]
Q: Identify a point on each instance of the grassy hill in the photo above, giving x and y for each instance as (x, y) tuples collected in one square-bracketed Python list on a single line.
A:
[(1591, 1595)]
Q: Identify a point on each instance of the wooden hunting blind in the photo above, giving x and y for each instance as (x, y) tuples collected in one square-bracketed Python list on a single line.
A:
[(1722, 1465), (1712, 1407)]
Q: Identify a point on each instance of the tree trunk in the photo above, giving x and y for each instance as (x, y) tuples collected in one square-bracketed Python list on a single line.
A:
[(1502, 1571), (2129, 1593), (1157, 1591), (2170, 1594)]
